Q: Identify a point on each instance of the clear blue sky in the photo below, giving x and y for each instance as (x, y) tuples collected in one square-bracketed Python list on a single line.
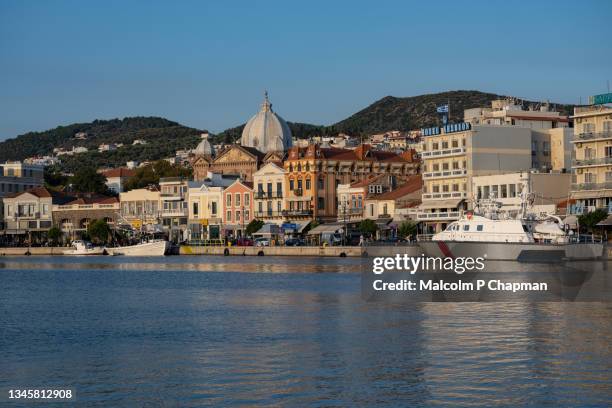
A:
[(207, 63)]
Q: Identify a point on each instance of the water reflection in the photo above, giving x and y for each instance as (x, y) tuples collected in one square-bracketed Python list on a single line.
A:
[(182, 334)]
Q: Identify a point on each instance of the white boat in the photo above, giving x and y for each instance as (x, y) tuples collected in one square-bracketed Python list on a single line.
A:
[(84, 248), (518, 239), (155, 247)]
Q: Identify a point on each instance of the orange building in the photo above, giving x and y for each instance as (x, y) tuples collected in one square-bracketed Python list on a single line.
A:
[(313, 174)]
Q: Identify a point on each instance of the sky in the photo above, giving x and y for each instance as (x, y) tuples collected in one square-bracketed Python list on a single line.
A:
[(206, 64)]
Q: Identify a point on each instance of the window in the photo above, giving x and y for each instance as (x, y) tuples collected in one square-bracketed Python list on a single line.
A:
[(434, 146), (269, 188), (495, 191), (479, 192), (445, 188), (291, 184), (247, 215), (279, 205), (371, 210), (260, 207), (466, 227), (444, 166), (436, 167), (608, 152), (213, 208), (511, 190), (195, 209), (455, 187), (237, 200), (279, 189), (445, 144), (237, 216), (247, 199), (260, 187), (589, 178), (229, 215), (299, 184), (308, 183), (455, 165), (321, 183), (608, 175), (455, 143), (321, 203), (228, 200), (588, 128), (589, 153), (385, 209), (479, 228), (607, 126), (436, 188)]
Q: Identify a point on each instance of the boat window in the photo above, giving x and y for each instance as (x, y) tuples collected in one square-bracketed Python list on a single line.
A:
[(479, 228), (525, 228), (466, 227)]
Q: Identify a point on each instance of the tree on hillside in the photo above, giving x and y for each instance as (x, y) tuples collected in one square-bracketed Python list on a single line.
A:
[(88, 180), (254, 226), (54, 179), (151, 173), (99, 231)]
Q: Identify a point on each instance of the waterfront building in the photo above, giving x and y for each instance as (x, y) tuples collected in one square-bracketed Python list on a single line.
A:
[(73, 217), (592, 165), (236, 160), (543, 190), (141, 208), (205, 210), (116, 178), (237, 208), (174, 211), (314, 173), (352, 196), (550, 131), (16, 177), (382, 206), (455, 153), (28, 214), (269, 186), (266, 131)]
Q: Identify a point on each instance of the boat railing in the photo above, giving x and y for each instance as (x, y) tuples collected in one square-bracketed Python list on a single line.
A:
[(207, 242), (586, 239), (424, 237)]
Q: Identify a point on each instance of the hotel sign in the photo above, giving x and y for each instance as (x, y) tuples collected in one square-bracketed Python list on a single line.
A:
[(600, 99), (450, 128)]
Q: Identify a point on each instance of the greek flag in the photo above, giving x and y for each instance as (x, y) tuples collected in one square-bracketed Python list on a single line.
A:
[(442, 109)]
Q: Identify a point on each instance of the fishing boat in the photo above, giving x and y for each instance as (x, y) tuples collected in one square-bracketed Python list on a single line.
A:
[(84, 248), (487, 233), (153, 247)]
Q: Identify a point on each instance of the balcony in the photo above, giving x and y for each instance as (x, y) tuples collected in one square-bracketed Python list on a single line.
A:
[(436, 196), (268, 214), (298, 192), (592, 186), (606, 134), (178, 212), (445, 174), (296, 213), (432, 154), (592, 162), (268, 195), (435, 216)]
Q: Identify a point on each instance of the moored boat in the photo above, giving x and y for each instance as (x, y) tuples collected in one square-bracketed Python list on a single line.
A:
[(84, 248), (155, 247), (520, 239)]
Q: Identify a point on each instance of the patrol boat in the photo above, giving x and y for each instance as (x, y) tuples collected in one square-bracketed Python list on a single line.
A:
[(488, 233)]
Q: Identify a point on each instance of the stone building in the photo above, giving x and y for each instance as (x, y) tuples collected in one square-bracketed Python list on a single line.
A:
[(73, 217)]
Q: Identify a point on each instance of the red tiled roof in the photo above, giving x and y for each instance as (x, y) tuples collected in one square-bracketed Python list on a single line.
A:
[(368, 181), (43, 192), (414, 183), (95, 200), (119, 172)]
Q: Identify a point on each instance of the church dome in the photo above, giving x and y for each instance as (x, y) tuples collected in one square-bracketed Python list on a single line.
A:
[(266, 131), (204, 148)]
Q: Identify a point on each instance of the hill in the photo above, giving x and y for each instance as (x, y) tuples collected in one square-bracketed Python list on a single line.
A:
[(393, 113), (163, 138)]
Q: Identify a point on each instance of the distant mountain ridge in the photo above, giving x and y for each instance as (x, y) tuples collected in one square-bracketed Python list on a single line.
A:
[(164, 137)]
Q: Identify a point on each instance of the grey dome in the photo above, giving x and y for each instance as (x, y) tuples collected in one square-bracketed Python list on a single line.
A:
[(204, 148), (266, 131)]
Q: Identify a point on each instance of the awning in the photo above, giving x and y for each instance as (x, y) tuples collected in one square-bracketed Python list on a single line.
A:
[(325, 228), (427, 205), (605, 223), (268, 229)]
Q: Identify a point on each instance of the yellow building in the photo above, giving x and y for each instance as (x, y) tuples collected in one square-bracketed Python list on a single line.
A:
[(592, 165), (140, 207), (205, 208)]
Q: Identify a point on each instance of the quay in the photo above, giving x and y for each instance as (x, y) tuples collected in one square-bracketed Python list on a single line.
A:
[(330, 251)]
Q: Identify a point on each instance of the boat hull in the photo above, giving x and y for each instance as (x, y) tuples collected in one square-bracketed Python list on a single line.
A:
[(156, 248), (503, 251), (94, 251)]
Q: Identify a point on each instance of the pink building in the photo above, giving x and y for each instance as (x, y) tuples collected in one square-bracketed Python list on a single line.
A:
[(237, 208)]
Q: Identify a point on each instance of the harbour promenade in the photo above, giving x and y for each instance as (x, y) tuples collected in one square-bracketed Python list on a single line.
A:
[(333, 251)]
